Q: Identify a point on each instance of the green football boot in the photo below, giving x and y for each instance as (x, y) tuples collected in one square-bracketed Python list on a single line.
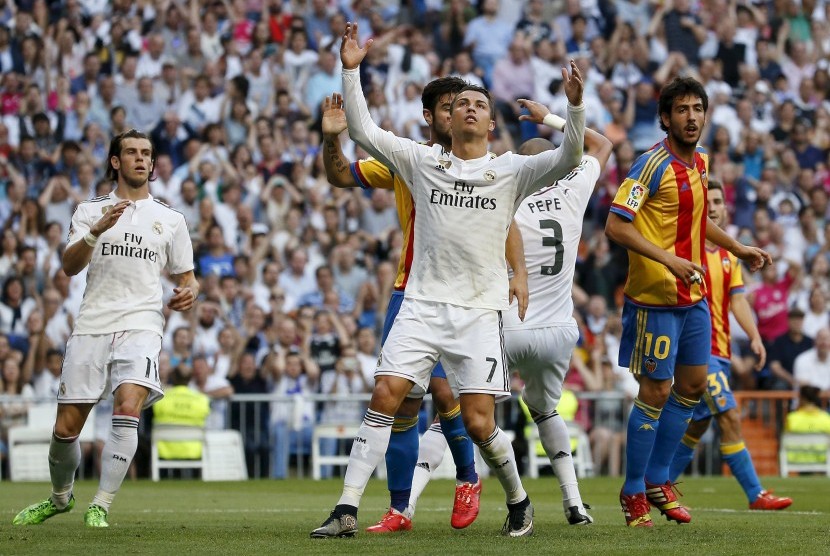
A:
[(96, 516), (40, 512)]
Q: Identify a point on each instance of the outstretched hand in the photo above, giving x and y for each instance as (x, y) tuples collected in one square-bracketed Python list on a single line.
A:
[(537, 110), (334, 117), (573, 84), (350, 52)]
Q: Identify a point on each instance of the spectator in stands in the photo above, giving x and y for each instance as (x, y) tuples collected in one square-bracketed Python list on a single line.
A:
[(812, 368), (181, 350), (181, 405), (488, 36), (292, 423), (326, 288), (770, 301), (251, 418), (683, 29), (297, 279), (215, 387), (784, 351), (47, 380), (809, 418)]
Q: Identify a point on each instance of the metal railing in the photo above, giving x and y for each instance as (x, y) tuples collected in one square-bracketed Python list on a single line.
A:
[(253, 416)]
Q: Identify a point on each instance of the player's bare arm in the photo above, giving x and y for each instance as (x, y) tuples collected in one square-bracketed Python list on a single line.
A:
[(743, 314), (515, 253), (334, 161), (755, 257), (78, 255), (623, 232), (185, 293)]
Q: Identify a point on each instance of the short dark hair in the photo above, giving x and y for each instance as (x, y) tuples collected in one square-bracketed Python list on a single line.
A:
[(680, 87), (435, 89), (478, 89), (116, 146), (811, 394), (715, 184)]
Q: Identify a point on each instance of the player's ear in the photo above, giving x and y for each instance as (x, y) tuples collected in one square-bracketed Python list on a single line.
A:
[(492, 125), (428, 116), (115, 162)]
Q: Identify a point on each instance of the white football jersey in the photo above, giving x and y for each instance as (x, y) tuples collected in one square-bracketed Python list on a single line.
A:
[(463, 208), (123, 283), (551, 225)]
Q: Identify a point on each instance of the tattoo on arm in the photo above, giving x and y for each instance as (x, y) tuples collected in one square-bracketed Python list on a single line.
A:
[(333, 152)]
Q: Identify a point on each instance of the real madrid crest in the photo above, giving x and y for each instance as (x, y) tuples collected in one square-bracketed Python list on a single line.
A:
[(445, 164), (490, 175), (157, 228)]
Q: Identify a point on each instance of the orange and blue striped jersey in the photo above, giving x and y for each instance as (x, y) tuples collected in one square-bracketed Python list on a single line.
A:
[(665, 198), (373, 174), (723, 279)]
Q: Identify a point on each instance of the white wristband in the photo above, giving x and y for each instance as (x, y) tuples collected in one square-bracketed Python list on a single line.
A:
[(554, 121), (90, 239)]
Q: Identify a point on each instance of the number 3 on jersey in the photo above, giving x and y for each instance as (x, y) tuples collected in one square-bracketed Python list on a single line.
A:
[(554, 241)]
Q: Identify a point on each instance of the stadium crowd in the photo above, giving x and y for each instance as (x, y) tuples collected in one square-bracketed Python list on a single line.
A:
[(296, 273)]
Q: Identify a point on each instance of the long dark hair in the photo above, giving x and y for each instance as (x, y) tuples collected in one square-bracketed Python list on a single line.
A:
[(115, 150)]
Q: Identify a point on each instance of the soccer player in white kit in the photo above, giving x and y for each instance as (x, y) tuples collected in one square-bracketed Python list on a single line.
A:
[(128, 239), (458, 287), (540, 347)]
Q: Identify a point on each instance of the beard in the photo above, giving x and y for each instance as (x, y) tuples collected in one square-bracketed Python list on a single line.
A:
[(679, 137), (135, 182)]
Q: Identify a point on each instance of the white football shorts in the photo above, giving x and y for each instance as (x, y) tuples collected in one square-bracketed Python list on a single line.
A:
[(97, 364), (542, 356), (468, 342)]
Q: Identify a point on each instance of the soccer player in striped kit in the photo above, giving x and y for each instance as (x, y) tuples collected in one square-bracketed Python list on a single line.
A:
[(725, 292), (660, 216)]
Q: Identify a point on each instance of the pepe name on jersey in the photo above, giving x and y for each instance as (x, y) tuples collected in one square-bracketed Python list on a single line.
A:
[(131, 247)]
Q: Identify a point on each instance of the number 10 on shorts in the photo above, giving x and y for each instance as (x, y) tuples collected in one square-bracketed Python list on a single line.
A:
[(661, 345)]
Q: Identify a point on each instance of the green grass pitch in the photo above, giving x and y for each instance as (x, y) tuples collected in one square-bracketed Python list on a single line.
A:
[(176, 517)]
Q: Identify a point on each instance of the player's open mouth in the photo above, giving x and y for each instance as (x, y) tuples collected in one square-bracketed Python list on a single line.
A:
[(470, 119)]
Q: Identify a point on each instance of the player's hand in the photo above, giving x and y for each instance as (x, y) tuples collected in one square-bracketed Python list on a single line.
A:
[(757, 347), (110, 218), (350, 52), (755, 257), (334, 117), (183, 299), (573, 84), (537, 110), (519, 290), (686, 271)]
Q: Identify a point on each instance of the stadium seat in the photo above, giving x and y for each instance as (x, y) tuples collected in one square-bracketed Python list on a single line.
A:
[(318, 460), (29, 453), (224, 456), (175, 433), (804, 453), (583, 459)]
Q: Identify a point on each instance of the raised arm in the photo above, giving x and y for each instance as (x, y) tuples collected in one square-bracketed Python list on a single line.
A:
[(547, 167), (396, 152), (334, 161)]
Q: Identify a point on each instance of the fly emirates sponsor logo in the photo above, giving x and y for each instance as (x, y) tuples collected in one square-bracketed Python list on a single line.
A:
[(131, 248), (462, 196)]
